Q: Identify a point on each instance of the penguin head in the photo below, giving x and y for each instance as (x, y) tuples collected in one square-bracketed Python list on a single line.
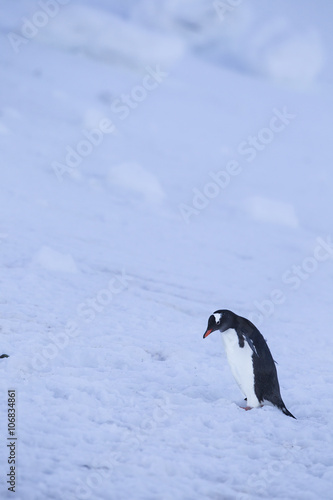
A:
[(219, 320)]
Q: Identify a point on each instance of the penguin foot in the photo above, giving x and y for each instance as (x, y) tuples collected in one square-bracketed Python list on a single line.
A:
[(247, 408)]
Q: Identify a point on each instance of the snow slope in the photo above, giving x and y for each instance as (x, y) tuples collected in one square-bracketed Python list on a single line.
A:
[(137, 197)]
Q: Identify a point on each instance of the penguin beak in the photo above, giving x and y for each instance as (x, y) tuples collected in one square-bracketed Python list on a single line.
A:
[(207, 332)]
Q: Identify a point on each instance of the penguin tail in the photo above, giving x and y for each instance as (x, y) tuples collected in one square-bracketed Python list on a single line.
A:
[(287, 412), (277, 401)]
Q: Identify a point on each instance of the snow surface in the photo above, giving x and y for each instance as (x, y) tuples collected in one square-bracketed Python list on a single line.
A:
[(112, 262)]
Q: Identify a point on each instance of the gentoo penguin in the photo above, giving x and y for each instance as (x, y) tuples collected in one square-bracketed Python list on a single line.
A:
[(249, 358)]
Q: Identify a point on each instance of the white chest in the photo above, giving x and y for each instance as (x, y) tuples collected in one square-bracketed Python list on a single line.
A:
[(240, 361)]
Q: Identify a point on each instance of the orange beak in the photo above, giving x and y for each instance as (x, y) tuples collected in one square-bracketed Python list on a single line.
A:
[(207, 332)]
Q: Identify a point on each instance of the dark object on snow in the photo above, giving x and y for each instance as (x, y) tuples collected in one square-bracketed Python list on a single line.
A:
[(250, 359), (4, 356)]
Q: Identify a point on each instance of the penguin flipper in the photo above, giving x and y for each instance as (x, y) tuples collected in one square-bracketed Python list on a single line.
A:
[(251, 344)]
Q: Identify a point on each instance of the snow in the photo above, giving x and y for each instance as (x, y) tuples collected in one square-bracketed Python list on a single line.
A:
[(55, 261), (298, 59), (272, 211), (105, 288), (101, 35), (133, 179)]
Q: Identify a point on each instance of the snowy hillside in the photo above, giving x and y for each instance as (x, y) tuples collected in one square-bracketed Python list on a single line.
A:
[(159, 164)]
